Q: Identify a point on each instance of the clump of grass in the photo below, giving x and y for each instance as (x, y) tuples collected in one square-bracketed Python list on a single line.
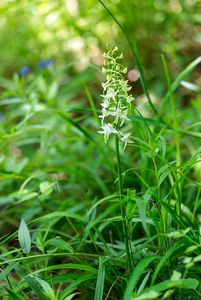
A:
[(67, 231)]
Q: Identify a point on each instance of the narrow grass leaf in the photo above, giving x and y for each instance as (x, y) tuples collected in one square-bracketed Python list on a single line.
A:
[(70, 297), (136, 275), (143, 284), (67, 266), (179, 78), (7, 270), (76, 125), (190, 86), (75, 284), (164, 259), (13, 295), (48, 291), (100, 280), (32, 283)]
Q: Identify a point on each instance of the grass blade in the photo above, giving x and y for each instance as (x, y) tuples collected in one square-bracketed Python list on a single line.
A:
[(136, 275), (178, 80), (100, 280)]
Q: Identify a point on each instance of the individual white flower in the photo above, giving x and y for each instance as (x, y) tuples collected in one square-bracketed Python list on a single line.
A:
[(129, 99), (119, 114), (105, 103), (126, 139), (107, 130), (105, 114), (111, 94), (104, 85)]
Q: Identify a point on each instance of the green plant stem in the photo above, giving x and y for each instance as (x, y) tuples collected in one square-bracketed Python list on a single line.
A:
[(123, 213), (177, 134)]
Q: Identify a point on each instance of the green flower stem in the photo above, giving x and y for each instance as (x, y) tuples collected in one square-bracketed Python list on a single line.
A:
[(177, 136), (123, 212)]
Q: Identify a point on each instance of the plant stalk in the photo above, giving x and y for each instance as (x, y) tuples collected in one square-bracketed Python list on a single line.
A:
[(123, 212)]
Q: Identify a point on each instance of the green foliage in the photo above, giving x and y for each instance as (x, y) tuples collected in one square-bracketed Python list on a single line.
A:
[(81, 219)]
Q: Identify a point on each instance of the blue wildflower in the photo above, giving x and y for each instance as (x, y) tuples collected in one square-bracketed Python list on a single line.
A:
[(45, 63), (24, 70)]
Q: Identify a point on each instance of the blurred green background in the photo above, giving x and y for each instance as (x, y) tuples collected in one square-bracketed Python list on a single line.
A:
[(78, 31)]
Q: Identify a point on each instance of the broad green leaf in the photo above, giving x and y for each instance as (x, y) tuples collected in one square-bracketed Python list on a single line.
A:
[(48, 291), (46, 187), (24, 237), (176, 275)]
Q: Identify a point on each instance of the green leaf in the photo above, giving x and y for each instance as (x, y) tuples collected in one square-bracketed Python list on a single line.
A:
[(46, 188), (76, 125), (28, 197), (164, 259), (100, 279), (70, 297), (13, 295), (190, 86), (143, 283), (24, 237), (60, 244), (48, 291), (55, 215), (66, 266), (183, 283), (141, 203), (32, 282), (147, 296), (137, 273), (179, 78), (7, 270), (74, 284)]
